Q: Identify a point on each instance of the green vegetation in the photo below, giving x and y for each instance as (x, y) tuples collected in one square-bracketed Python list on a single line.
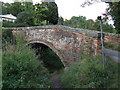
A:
[(21, 68), (112, 46), (12, 24), (7, 37), (47, 13), (114, 11), (51, 60), (89, 73), (52, 13), (25, 18), (31, 15), (82, 22)]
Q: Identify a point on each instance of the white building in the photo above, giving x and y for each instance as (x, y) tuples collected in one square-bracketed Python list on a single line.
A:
[(8, 17), (47, 0)]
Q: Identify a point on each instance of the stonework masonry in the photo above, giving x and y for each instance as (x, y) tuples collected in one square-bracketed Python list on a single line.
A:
[(65, 41)]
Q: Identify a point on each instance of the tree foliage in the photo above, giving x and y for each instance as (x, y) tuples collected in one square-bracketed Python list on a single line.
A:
[(13, 8), (53, 13), (26, 18), (88, 2), (114, 11), (82, 22), (5, 9), (61, 21), (37, 14)]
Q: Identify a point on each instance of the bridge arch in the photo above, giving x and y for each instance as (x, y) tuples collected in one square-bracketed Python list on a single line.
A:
[(51, 47)]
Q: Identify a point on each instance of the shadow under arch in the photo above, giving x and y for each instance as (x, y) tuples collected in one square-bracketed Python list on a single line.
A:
[(50, 46)]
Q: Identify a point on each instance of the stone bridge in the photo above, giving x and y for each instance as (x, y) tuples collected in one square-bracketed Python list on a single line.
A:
[(68, 43)]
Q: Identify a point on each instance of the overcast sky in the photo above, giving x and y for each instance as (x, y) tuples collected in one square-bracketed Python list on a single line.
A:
[(69, 8)]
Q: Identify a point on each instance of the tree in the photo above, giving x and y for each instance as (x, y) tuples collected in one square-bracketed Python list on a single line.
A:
[(47, 11), (5, 8), (52, 15), (26, 18), (39, 13), (88, 2), (61, 20), (114, 11), (15, 8), (105, 26), (77, 22), (27, 6), (90, 24), (82, 22), (67, 22)]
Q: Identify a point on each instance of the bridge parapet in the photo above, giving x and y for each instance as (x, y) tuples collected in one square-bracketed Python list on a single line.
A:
[(91, 33), (109, 37)]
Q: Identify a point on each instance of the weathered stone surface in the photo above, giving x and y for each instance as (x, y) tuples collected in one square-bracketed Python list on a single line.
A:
[(65, 41)]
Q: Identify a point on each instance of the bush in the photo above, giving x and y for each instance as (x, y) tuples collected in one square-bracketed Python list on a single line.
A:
[(112, 46), (25, 17), (21, 69), (15, 24), (7, 36), (89, 73)]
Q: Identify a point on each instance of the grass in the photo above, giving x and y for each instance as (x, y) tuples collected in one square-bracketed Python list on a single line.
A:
[(89, 73)]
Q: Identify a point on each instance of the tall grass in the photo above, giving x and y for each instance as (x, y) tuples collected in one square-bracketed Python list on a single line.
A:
[(21, 68), (0, 68), (89, 73)]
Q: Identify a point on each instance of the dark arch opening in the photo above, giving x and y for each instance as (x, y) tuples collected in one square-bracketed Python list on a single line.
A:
[(50, 59)]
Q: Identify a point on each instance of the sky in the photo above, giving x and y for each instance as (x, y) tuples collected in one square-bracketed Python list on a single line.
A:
[(69, 8)]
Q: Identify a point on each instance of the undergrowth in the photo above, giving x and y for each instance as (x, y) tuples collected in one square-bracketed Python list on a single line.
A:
[(52, 61), (20, 66), (89, 73), (112, 46)]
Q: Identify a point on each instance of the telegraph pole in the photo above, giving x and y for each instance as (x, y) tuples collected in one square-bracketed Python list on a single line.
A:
[(103, 61)]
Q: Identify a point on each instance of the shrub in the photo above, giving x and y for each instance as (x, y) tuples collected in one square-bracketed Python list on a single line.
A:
[(7, 36), (25, 17), (15, 24), (89, 73), (21, 69), (112, 46)]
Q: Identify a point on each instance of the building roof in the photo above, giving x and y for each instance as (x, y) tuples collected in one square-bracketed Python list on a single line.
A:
[(47, 0), (8, 16)]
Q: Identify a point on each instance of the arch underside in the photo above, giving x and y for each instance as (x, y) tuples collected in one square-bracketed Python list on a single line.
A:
[(51, 46)]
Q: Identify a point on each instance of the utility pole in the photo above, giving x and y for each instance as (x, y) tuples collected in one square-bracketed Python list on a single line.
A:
[(103, 61)]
